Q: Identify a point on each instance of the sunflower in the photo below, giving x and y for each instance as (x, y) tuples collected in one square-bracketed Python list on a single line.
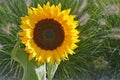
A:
[(49, 33)]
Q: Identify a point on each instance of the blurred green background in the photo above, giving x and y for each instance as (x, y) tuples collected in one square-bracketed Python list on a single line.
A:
[(98, 54)]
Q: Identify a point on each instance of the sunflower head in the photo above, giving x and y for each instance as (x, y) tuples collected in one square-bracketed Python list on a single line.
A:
[(48, 33)]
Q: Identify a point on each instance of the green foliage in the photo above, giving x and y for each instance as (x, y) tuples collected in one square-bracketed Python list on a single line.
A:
[(98, 51)]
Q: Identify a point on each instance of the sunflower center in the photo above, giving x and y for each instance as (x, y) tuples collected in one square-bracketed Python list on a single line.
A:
[(48, 34)]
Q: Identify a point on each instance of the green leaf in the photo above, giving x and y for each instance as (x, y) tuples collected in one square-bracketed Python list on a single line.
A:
[(29, 68), (31, 71), (51, 69), (14, 50), (41, 72)]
